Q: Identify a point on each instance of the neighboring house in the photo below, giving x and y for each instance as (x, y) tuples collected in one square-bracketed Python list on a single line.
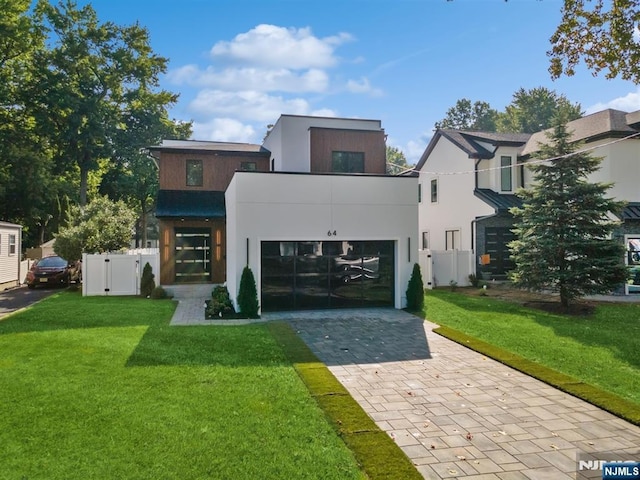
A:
[(471, 177), (10, 248), (44, 250), (316, 218), (465, 195)]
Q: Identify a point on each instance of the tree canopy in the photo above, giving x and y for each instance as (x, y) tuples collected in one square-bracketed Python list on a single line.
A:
[(530, 111), (563, 231), (603, 34), (396, 161), (464, 115), (100, 226), (79, 103)]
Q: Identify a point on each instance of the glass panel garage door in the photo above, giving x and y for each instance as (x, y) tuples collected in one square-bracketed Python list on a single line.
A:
[(321, 274)]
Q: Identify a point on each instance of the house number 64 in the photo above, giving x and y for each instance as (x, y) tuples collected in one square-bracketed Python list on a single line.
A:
[(332, 233)]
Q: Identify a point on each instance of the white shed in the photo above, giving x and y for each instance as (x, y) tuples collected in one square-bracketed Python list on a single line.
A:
[(10, 248)]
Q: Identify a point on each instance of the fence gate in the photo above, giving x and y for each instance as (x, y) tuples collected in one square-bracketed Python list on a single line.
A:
[(115, 274)]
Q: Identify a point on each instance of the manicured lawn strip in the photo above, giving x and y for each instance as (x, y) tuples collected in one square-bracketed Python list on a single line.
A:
[(136, 398), (599, 352), (379, 456), (605, 400)]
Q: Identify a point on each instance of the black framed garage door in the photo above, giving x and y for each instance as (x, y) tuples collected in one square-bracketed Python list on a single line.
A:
[(326, 274)]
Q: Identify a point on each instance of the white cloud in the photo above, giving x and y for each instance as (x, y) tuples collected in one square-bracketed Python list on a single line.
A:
[(250, 78), (629, 103), (273, 46), (224, 130), (414, 150), (247, 105), (363, 87)]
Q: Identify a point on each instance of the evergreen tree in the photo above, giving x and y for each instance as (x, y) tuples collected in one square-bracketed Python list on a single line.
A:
[(415, 290), (563, 231), (248, 294), (147, 282)]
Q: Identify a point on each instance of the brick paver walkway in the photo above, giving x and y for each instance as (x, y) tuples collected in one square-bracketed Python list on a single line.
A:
[(454, 412)]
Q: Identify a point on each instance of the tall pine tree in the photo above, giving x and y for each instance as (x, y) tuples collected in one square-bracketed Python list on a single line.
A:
[(563, 231)]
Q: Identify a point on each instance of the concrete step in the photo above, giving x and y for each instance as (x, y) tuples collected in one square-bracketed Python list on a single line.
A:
[(190, 291)]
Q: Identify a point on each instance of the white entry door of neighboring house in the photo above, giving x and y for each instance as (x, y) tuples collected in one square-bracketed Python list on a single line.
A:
[(633, 264)]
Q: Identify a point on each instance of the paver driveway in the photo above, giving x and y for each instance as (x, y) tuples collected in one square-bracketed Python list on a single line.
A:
[(456, 413)]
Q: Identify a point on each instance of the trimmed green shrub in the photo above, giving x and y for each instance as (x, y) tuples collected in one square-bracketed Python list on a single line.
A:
[(248, 295), (415, 290), (158, 293), (220, 304), (147, 282)]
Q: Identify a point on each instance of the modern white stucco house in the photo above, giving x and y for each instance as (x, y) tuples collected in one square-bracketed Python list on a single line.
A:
[(469, 179), (10, 248), (311, 211)]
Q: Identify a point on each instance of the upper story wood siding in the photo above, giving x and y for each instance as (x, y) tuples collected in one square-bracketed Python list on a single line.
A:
[(325, 141), (218, 168)]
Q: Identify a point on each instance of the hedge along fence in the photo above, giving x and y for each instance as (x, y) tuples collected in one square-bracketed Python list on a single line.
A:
[(377, 454)]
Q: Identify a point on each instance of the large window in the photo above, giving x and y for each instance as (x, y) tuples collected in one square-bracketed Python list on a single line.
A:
[(505, 174), (452, 240), (194, 173), (348, 162), (249, 166), (434, 190)]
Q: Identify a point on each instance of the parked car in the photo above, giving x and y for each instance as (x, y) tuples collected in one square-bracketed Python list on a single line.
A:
[(52, 270)]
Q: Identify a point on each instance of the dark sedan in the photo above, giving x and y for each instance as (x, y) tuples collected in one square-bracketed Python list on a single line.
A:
[(53, 270)]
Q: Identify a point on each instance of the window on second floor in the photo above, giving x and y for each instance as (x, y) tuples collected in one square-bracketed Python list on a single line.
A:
[(347, 162), (434, 190), (248, 166), (419, 193), (506, 184), (452, 240), (194, 173)]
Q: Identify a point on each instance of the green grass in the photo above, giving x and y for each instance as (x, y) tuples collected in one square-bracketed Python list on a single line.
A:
[(599, 350), (102, 387)]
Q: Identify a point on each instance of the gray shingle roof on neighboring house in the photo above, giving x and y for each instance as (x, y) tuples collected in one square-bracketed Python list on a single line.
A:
[(471, 142), (605, 124), (631, 211), (499, 201)]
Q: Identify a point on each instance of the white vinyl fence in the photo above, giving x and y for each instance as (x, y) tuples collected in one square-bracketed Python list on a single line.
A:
[(441, 268), (117, 273)]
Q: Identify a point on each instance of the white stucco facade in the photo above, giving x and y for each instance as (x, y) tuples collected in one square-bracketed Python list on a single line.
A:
[(307, 207)]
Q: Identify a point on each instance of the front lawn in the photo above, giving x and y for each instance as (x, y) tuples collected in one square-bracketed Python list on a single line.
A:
[(102, 387), (600, 349)]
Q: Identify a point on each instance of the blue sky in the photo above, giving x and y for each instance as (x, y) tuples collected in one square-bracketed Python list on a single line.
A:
[(239, 64)]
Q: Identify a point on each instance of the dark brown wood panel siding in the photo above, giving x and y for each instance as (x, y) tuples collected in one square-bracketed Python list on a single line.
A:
[(218, 170), (324, 141), (168, 246)]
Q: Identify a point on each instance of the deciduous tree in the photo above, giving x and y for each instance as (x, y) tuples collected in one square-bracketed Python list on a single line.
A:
[(603, 34), (477, 116)]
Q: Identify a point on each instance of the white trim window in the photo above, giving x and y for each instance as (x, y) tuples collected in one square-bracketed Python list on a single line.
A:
[(425, 240), (434, 190), (452, 240), (12, 244), (506, 174)]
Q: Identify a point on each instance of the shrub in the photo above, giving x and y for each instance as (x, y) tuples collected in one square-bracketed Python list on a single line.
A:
[(220, 303), (147, 282), (415, 290), (248, 295), (474, 280), (158, 293)]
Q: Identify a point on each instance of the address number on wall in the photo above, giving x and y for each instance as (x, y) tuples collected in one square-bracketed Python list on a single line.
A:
[(332, 233)]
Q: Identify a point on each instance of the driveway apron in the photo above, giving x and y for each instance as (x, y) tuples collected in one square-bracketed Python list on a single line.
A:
[(455, 412)]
